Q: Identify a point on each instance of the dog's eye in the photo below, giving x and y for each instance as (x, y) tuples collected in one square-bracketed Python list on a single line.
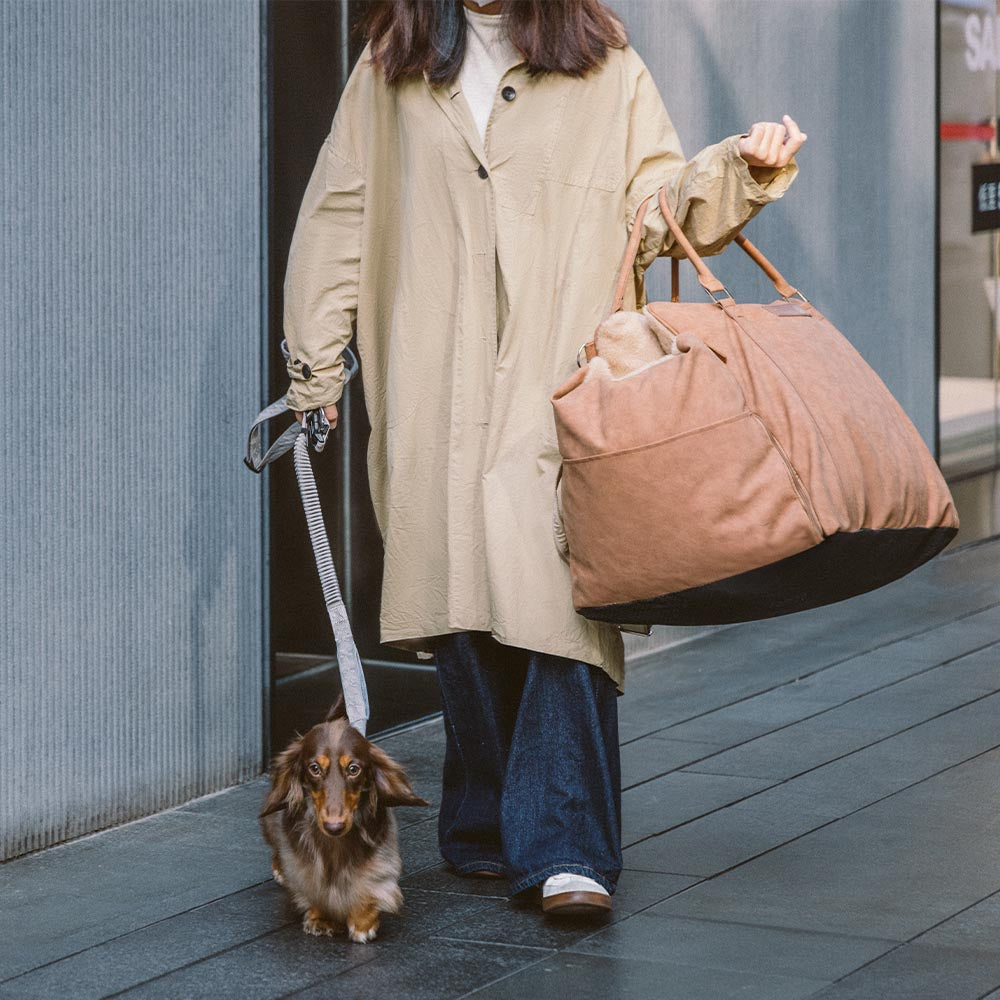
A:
[(315, 769), (353, 769)]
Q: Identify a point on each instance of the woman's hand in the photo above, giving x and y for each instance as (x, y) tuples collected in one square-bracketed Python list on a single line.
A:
[(769, 144), (330, 411)]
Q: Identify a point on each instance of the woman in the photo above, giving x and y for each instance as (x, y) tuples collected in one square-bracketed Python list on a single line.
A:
[(466, 215)]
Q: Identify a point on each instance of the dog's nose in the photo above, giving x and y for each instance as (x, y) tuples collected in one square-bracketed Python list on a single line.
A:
[(332, 827)]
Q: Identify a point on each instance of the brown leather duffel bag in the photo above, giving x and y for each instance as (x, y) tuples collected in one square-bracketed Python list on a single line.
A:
[(756, 466)]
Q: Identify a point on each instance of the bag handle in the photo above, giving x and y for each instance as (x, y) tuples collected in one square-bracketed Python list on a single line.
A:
[(706, 278)]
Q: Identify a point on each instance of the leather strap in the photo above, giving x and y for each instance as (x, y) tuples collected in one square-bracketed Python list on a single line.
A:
[(628, 258), (784, 289), (706, 278)]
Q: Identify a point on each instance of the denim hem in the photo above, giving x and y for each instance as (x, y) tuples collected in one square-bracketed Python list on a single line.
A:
[(543, 873), (477, 866)]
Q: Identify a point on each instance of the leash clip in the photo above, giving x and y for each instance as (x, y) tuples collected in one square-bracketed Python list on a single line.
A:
[(317, 428)]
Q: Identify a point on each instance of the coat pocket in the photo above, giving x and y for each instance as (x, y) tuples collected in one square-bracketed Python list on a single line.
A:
[(590, 149), (699, 506)]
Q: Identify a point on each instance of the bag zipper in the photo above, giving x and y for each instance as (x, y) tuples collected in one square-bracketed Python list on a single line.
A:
[(797, 483)]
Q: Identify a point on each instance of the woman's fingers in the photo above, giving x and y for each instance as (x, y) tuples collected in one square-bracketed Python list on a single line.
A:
[(772, 144), (776, 138), (329, 411), (755, 148), (752, 141), (795, 139)]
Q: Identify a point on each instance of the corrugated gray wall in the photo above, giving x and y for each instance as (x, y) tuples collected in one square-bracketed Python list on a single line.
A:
[(855, 232), (131, 240)]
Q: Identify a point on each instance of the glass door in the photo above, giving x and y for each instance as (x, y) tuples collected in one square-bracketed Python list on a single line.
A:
[(969, 262), (310, 55)]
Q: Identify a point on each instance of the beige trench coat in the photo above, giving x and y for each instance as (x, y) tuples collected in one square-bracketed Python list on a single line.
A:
[(471, 273)]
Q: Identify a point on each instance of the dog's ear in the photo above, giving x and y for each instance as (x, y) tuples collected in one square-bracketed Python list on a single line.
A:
[(286, 781), (391, 783), (339, 709)]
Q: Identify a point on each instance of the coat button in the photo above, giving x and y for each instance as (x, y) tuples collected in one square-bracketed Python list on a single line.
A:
[(508, 93), (306, 372), (482, 171)]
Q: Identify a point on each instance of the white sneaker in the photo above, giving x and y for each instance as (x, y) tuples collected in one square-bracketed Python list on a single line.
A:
[(568, 892), (570, 882)]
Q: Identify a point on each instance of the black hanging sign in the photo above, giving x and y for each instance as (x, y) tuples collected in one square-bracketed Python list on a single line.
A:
[(985, 196)]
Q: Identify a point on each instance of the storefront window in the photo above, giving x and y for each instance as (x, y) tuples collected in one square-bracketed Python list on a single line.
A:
[(969, 262)]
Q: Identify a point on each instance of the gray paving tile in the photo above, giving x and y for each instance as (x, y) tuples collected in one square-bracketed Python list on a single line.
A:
[(890, 870), (521, 921), (262, 969), (415, 971), (703, 676), (883, 768), (816, 740), (426, 912), (752, 657), (921, 973), (155, 951), (440, 878), (674, 798), (242, 801), (650, 757), (836, 684), (158, 948), (708, 845), (974, 929), (592, 977), (934, 594), (738, 832), (126, 878), (72, 897), (714, 944), (418, 846), (421, 752)]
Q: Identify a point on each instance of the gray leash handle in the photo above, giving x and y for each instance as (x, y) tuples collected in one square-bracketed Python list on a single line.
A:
[(314, 434)]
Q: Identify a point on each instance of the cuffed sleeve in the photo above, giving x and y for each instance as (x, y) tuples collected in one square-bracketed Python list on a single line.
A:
[(324, 259), (321, 279), (713, 195)]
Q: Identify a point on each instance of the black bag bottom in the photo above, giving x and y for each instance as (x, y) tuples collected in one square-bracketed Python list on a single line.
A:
[(843, 565)]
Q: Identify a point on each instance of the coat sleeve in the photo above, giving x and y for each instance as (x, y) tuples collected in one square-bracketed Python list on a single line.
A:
[(324, 259), (713, 195)]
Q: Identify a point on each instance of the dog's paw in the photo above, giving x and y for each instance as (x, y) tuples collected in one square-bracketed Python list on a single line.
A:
[(277, 876), (315, 923), (362, 936)]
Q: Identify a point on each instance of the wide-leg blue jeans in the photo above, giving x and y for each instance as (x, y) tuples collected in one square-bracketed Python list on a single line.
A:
[(532, 774)]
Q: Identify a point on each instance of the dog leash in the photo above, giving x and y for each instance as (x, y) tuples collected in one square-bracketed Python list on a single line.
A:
[(299, 437)]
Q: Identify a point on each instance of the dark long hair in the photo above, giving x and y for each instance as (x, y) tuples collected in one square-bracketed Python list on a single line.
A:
[(563, 36)]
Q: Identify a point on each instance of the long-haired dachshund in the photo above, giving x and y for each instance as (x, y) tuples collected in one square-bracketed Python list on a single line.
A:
[(333, 836)]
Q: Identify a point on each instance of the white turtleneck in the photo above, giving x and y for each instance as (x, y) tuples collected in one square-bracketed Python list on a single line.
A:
[(488, 55)]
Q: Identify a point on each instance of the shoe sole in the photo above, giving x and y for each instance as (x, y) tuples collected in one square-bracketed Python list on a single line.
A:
[(577, 902)]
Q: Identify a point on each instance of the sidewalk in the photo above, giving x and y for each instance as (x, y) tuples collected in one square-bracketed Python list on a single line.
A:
[(811, 809)]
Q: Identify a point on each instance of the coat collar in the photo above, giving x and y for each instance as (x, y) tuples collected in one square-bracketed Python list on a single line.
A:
[(452, 102)]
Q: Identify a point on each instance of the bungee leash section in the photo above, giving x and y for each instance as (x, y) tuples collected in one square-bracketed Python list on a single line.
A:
[(314, 433)]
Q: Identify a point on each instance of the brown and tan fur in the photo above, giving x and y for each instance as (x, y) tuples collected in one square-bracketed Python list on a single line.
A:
[(340, 876)]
